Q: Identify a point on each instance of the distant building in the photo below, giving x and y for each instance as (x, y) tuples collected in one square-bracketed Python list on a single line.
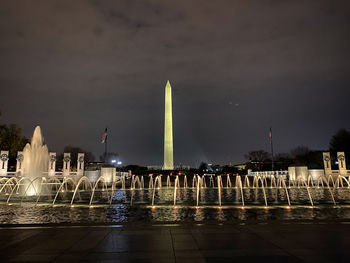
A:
[(241, 166), (176, 167)]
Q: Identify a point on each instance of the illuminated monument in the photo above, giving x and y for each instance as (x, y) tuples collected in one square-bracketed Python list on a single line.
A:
[(168, 130)]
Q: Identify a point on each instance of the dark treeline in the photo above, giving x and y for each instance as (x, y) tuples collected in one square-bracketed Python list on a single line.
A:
[(261, 160)]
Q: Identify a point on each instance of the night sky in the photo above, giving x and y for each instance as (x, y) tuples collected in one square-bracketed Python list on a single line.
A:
[(236, 68)]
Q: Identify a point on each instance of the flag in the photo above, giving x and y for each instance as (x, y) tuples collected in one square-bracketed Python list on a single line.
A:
[(270, 135), (104, 136)]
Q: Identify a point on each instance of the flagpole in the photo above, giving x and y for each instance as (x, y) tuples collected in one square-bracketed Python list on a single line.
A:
[(106, 149), (106, 140), (271, 142)]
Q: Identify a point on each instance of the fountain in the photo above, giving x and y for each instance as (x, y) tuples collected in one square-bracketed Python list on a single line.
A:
[(35, 163), (242, 192), (207, 190)]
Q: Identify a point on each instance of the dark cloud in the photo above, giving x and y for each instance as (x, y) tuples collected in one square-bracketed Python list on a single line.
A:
[(75, 66)]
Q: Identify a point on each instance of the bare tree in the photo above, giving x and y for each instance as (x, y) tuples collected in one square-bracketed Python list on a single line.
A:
[(257, 159), (299, 151)]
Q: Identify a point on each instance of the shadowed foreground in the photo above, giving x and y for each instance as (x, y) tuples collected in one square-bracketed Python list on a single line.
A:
[(258, 242)]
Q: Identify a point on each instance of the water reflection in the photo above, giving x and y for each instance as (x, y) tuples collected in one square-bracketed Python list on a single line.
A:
[(242, 214), (119, 213), (135, 206), (220, 216), (199, 215)]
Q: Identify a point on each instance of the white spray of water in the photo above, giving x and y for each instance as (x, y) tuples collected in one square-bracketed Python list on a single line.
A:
[(35, 161)]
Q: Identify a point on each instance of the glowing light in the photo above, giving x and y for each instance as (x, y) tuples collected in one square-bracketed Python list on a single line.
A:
[(113, 161), (168, 130), (119, 162), (31, 190), (288, 207)]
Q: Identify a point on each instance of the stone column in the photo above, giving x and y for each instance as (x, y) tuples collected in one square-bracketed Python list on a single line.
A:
[(302, 172), (19, 162), (80, 164), (291, 173), (327, 163), (66, 164), (4, 157), (341, 163), (108, 173), (52, 164)]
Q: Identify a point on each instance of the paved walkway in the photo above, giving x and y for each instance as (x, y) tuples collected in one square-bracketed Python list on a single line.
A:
[(273, 242)]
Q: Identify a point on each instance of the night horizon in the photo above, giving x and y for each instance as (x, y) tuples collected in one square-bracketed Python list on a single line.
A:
[(235, 68), (174, 131)]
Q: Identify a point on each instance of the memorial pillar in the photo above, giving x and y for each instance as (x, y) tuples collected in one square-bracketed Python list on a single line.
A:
[(4, 157), (80, 164), (19, 162), (66, 164), (52, 164), (327, 163), (342, 163)]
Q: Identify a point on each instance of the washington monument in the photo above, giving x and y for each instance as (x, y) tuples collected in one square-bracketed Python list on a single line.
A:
[(168, 130)]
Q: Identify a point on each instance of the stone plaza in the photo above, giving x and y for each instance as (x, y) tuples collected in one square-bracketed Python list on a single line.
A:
[(246, 242)]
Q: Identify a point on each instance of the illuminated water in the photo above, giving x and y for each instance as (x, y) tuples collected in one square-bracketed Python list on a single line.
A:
[(134, 206), (35, 163), (119, 213), (35, 197)]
